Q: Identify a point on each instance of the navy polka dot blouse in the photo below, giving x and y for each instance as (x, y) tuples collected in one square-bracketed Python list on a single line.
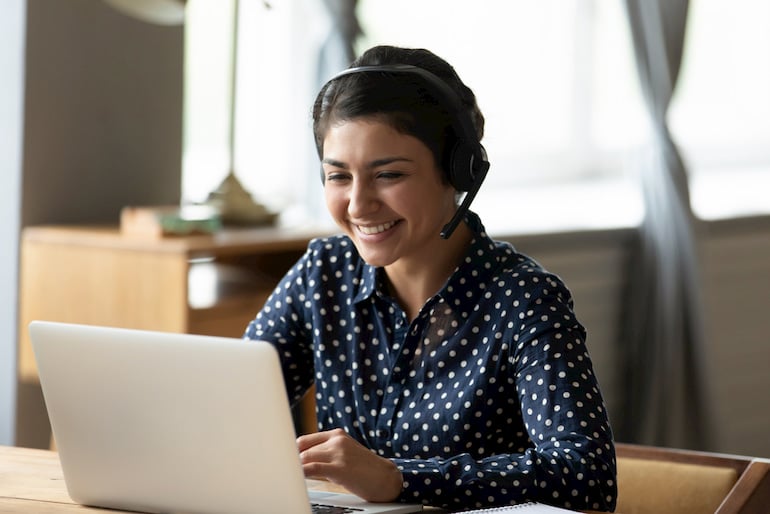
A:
[(487, 397)]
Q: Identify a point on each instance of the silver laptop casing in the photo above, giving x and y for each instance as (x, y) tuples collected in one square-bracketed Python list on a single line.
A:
[(161, 422)]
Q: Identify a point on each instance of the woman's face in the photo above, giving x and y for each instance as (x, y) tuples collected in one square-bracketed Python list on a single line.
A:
[(385, 190)]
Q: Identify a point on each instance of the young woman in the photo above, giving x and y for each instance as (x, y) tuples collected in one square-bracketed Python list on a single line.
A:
[(449, 369)]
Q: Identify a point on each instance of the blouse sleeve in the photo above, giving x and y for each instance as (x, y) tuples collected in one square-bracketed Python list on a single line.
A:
[(283, 321)]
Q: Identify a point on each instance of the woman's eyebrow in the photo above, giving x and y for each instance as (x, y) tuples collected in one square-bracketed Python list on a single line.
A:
[(387, 160), (335, 163), (373, 164)]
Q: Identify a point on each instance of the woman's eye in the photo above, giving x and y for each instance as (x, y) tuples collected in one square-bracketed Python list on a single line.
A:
[(336, 177), (389, 175)]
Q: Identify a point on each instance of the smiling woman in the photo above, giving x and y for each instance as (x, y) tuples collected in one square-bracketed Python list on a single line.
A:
[(385, 191), (449, 369)]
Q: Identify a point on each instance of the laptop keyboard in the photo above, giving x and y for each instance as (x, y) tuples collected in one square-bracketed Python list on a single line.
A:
[(320, 508)]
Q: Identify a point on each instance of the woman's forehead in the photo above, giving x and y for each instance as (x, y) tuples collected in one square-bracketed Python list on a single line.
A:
[(368, 134)]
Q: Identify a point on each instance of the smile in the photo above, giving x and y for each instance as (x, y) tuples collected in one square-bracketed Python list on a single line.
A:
[(375, 229)]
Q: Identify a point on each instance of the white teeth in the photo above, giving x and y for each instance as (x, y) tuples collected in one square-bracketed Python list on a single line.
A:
[(377, 229)]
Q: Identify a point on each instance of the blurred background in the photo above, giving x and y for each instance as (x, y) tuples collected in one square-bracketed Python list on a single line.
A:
[(102, 109)]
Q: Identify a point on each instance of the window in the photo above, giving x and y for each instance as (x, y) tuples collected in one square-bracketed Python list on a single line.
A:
[(720, 116), (556, 82), (555, 79)]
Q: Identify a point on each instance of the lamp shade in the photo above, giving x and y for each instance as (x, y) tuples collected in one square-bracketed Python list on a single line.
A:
[(160, 12)]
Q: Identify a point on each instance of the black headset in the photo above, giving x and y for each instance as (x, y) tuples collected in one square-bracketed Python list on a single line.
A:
[(467, 163)]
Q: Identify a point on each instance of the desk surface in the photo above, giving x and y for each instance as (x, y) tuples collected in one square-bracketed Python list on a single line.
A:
[(233, 241), (32, 481)]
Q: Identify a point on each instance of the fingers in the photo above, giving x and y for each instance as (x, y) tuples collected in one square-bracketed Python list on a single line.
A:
[(321, 453), (307, 441), (337, 457)]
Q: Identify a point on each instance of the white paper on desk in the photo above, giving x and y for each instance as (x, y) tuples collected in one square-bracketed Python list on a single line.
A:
[(524, 508)]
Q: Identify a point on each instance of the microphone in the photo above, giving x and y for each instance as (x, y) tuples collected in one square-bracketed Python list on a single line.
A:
[(466, 203)]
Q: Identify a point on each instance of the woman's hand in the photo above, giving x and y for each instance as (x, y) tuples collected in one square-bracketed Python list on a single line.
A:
[(335, 456)]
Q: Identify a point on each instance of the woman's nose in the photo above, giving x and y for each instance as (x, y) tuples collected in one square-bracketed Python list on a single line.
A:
[(363, 199)]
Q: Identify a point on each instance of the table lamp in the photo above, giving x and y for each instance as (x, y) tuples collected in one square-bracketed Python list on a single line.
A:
[(234, 204), (230, 199)]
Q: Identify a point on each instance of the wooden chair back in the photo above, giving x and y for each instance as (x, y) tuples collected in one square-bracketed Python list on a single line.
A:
[(654, 480)]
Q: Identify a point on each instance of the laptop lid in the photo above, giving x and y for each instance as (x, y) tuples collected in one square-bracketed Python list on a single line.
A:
[(163, 422)]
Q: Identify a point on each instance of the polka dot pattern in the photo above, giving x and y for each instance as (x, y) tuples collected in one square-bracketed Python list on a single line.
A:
[(487, 397)]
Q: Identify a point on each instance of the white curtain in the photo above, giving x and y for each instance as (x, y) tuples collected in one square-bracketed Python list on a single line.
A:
[(662, 343), (338, 51)]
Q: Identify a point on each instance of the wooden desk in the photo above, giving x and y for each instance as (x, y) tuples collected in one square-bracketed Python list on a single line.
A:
[(206, 284), (32, 481)]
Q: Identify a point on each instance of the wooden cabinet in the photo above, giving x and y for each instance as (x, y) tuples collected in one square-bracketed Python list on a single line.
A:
[(209, 284)]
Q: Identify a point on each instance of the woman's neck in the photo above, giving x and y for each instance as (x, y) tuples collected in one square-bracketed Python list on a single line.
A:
[(412, 283)]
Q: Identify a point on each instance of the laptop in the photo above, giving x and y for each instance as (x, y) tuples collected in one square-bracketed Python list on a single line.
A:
[(161, 422)]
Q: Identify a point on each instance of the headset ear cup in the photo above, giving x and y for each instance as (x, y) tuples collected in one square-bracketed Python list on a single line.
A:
[(460, 162)]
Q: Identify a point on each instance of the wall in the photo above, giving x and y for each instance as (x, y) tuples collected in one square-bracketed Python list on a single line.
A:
[(736, 271), (11, 62), (103, 113), (102, 126)]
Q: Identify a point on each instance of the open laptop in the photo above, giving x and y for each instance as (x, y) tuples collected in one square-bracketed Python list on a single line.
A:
[(161, 422)]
